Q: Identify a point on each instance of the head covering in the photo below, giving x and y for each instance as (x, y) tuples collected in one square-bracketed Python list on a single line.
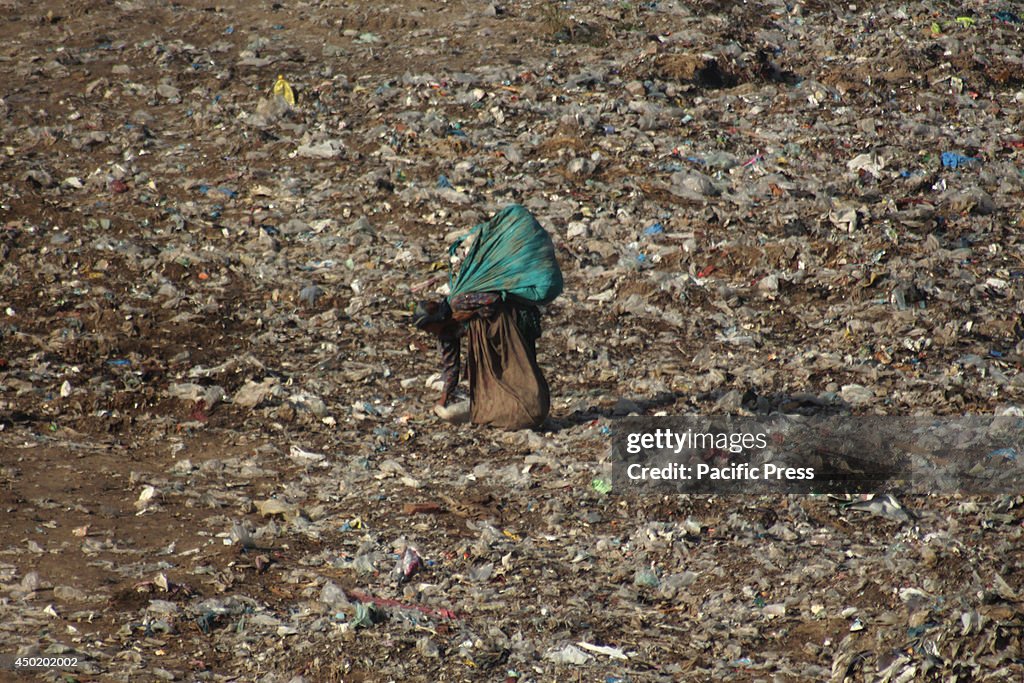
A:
[(431, 312)]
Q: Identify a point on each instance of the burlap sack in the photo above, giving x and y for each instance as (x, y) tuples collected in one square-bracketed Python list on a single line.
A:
[(506, 387)]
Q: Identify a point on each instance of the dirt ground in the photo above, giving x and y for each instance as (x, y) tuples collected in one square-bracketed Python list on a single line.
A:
[(146, 259)]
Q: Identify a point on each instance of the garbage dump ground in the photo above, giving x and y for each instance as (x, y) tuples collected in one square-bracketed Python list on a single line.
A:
[(218, 459)]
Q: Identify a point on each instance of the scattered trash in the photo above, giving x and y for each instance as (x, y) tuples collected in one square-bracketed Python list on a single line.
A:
[(206, 272), (613, 652), (305, 457), (438, 613), (310, 294), (883, 505), (272, 507), (570, 654), (366, 616), (409, 563), (352, 524), (646, 578), (146, 499), (955, 160), (283, 89), (868, 163), (242, 535), (1004, 453)]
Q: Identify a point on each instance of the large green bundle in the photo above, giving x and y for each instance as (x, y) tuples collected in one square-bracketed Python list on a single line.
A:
[(511, 254)]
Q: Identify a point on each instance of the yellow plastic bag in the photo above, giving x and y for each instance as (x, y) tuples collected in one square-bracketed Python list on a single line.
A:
[(283, 88)]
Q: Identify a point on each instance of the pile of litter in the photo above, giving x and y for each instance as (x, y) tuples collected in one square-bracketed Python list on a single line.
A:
[(218, 458)]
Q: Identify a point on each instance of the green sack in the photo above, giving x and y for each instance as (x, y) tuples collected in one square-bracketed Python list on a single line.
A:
[(511, 254)]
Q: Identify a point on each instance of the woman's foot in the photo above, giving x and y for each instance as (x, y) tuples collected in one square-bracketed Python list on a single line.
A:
[(456, 413)]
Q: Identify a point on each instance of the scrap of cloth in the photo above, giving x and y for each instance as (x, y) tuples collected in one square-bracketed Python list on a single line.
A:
[(506, 386)]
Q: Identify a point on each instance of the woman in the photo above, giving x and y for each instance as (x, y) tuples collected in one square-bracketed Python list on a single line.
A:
[(506, 386), (509, 269)]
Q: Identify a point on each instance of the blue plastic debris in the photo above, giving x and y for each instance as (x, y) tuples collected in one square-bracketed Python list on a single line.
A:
[(443, 183), (954, 160), (207, 622), (1004, 453), (654, 229), (1006, 16)]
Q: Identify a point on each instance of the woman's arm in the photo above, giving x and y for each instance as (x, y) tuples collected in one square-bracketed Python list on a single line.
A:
[(450, 363)]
